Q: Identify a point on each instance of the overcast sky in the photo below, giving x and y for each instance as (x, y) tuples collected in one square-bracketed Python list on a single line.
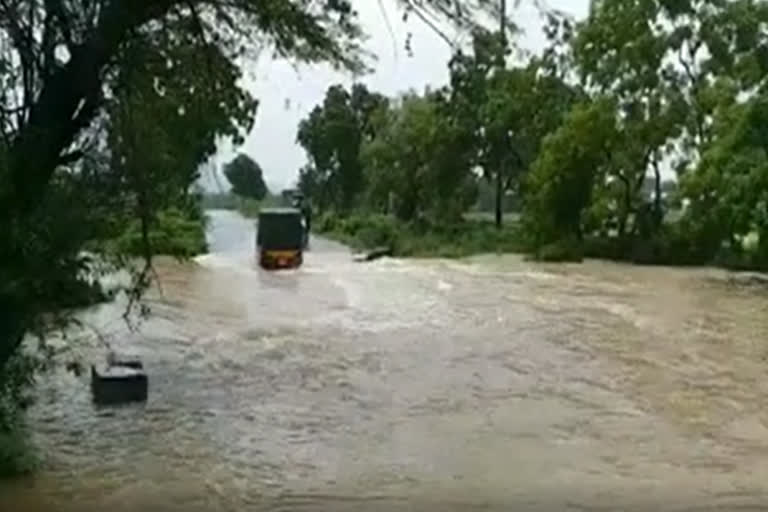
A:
[(287, 94)]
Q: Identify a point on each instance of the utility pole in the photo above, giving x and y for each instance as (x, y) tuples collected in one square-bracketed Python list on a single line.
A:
[(500, 163)]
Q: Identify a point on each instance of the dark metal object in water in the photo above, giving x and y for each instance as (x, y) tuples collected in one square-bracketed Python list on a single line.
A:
[(122, 380)]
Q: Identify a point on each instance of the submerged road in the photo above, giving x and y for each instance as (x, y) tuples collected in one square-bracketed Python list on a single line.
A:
[(486, 384)]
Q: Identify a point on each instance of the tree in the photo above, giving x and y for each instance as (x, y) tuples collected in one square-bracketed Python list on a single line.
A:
[(469, 95), (162, 125), (507, 110), (670, 66), (421, 160), (523, 106), (619, 52), (573, 161), (729, 190), (246, 177), (332, 136)]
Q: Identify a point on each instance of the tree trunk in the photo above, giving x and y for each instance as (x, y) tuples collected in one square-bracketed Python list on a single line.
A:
[(67, 103), (621, 227), (658, 213), (502, 64), (13, 327), (626, 207), (499, 199)]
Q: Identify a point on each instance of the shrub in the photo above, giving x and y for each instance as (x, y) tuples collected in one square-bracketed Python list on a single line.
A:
[(421, 238), (16, 455), (16, 379), (562, 251), (327, 222), (172, 234)]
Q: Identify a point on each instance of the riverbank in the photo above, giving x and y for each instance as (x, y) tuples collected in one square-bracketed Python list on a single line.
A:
[(478, 235), (471, 236)]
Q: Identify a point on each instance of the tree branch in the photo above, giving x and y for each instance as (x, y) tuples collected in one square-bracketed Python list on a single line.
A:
[(200, 30), (71, 157), (434, 27), (6, 111), (641, 176), (53, 121), (21, 38), (687, 66)]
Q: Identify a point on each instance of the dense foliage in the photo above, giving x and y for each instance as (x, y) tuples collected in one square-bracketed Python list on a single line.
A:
[(332, 136), (637, 134)]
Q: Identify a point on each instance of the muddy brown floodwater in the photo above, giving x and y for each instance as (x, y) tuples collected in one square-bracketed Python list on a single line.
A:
[(487, 384)]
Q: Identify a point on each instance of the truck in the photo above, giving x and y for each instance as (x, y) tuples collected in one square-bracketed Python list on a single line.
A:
[(280, 238)]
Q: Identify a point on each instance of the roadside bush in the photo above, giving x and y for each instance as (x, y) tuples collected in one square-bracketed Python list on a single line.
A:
[(671, 245), (327, 222), (373, 231), (562, 251), (603, 247), (173, 234)]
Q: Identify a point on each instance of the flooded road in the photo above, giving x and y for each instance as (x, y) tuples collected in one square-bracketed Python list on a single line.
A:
[(488, 384)]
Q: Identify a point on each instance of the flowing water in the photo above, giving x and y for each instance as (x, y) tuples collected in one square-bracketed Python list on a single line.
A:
[(486, 384)]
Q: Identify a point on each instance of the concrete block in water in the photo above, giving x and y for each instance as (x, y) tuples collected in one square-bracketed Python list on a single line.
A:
[(115, 384), (128, 361)]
